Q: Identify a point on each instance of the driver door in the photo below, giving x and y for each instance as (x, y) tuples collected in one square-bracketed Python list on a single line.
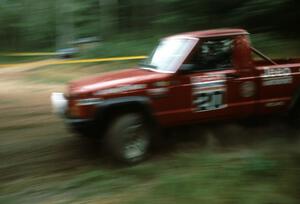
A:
[(211, 81)]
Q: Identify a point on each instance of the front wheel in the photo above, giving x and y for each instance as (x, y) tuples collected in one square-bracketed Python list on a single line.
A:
[(128, 138)]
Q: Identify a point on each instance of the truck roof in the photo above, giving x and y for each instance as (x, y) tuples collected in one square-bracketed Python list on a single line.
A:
[(213, 33)]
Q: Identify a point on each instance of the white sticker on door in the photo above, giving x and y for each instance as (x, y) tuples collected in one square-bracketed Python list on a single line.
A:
[(208, 92), (277, 76)]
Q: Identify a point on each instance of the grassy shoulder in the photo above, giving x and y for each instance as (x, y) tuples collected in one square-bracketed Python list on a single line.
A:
[(195, 176)]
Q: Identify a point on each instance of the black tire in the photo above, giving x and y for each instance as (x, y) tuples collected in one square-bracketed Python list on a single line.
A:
[(128, 138), (86, 132)]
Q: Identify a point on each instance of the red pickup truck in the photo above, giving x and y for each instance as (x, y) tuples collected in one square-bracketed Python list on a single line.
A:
[(189, 78)]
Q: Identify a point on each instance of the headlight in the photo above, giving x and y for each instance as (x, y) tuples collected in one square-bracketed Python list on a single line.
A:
[(89, 102), (59, 103)]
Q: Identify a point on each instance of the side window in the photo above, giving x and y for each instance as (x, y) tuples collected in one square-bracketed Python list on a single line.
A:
[(214, 54)]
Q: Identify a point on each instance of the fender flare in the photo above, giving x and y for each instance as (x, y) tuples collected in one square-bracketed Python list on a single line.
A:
[(125, 100), (142, 101)]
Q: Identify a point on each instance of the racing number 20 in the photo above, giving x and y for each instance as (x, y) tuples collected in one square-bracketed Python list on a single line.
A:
[(206, 101)]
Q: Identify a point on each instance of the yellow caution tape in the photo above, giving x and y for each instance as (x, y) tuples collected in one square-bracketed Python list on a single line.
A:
[(61, 62), (111, 59)]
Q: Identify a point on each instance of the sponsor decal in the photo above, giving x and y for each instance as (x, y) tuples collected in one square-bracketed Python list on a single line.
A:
[(162, 83), (208, 92), (158, 92), (247, 89), (276, 76), (121, 89)]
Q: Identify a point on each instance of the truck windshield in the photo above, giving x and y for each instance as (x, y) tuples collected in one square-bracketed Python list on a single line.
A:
[(169, 54)]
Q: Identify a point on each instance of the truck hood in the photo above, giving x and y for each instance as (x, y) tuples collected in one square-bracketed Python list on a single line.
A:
[(116, 79)]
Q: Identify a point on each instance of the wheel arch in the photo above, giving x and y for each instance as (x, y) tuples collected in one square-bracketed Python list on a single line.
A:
[(110, 108)]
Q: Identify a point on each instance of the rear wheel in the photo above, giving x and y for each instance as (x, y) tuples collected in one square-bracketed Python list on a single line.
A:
[(128, 138)]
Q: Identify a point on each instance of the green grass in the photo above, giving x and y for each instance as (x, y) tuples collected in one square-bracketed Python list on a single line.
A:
[(242, 177), (19, 59)]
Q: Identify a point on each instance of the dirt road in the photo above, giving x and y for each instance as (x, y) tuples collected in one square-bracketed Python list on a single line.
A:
[(33, 143)]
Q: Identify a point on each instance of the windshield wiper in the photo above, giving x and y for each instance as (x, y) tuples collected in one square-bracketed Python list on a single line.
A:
[(147, 65)]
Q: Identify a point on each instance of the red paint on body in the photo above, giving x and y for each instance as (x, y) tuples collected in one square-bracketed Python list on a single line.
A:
[(177, 105)]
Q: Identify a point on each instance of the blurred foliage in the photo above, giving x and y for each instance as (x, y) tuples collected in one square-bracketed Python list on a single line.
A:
[(34, 24)]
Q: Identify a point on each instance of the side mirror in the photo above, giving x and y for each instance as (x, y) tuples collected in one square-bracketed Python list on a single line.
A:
[(187, 68)]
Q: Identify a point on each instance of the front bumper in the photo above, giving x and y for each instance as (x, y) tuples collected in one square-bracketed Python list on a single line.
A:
[(60, 107), (59, 104)]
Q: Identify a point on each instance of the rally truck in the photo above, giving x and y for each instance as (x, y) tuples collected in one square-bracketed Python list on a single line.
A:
[(193, 77)]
